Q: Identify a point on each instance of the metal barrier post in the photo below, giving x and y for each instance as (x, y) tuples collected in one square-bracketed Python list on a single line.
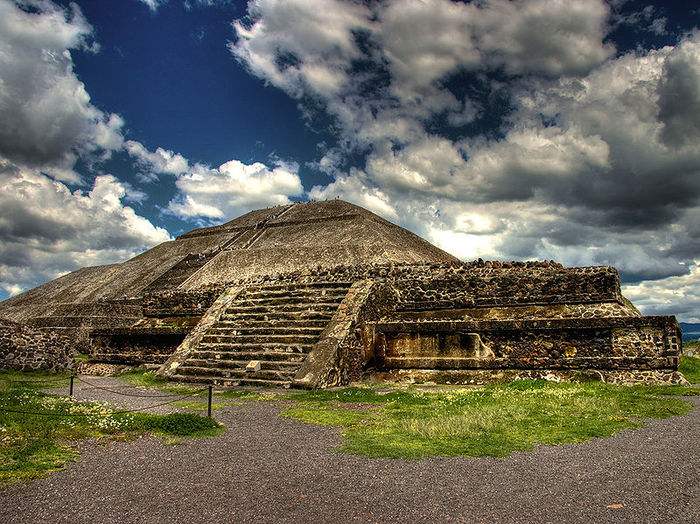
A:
[(71, 386), (209, 403)]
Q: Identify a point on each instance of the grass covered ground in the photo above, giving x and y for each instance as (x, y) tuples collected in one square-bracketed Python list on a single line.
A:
[(38, 430), (494, 420), (490, 421), (690, 367), (388, 422), (141, 377)]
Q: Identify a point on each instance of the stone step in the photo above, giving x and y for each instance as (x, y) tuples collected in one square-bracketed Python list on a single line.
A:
[(276, 324), (309, 287), (211, 379), (236, 329), (289, 288), (240, 373), (282, 300), (277, 316), (321, 289), (318, 307), (282, 338), (259, 347), (247, 381), (265, 365), (247, 356)]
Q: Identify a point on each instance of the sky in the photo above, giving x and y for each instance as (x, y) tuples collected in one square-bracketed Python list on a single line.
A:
[(564, 130)]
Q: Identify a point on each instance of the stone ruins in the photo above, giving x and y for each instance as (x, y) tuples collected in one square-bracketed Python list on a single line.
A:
[(319, 294)]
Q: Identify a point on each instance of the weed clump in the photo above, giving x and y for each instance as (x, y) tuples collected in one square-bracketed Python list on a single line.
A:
[(176, 424), (690, 367)]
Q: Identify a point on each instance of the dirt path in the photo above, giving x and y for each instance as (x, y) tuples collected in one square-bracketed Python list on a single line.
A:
[(269, 469)]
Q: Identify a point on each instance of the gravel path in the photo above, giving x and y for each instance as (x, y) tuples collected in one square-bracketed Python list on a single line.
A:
[(269, 469)]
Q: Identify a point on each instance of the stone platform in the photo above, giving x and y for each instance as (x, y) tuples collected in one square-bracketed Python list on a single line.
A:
[(317, 294)]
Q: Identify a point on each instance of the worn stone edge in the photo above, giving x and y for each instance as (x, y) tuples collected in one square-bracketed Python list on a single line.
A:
[(492, 376), (324, 356), (192, 340)]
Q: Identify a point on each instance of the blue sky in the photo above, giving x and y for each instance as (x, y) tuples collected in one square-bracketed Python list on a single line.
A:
[(511, 130)]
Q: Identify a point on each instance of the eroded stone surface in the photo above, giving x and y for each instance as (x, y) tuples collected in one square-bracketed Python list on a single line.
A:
[(26, 349), (326, 291)]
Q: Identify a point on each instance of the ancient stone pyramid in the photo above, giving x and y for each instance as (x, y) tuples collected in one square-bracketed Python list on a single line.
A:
[(322, 293), (263, 242)]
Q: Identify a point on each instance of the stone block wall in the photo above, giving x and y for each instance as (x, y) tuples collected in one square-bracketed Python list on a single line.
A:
[(135, 345), (167, 319), (633, 343), (524, 312), (180, 303), (457, 288), (521, 315), (346, 344), (26, 349), (193, 338), (470, 284)]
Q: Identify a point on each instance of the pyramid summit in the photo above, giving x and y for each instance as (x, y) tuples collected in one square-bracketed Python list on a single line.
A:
[(320, 293), (262, 242)]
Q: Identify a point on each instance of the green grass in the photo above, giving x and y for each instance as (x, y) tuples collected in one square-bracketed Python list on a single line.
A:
[(32, 445), (690, 367), (492, 421), (35, 380), (175, 424), (241, 394), (141, 377), (330, 417)]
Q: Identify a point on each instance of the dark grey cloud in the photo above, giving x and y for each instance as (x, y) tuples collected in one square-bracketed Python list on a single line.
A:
[(46, 118), (679, 98)]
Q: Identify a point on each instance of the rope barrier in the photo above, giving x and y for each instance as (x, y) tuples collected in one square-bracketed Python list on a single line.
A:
[(48, 381), (110, 390), (93, 414)]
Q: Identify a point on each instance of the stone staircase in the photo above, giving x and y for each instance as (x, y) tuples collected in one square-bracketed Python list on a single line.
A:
[(275, 325)]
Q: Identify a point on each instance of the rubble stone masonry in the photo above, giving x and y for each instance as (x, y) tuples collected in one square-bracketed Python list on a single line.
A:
[(26, 349)]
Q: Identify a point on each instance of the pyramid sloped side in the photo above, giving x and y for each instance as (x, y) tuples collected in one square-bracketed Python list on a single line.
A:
[(250, 219), (113, 281), (42, 300), (278, 239), (311, 211), (358, 230), (327, 243)]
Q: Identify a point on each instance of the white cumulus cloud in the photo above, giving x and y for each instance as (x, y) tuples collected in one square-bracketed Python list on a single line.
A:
[(153, 5), (46, 117), (156, 162), (47, 230), (47, 123), (232, 189)]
